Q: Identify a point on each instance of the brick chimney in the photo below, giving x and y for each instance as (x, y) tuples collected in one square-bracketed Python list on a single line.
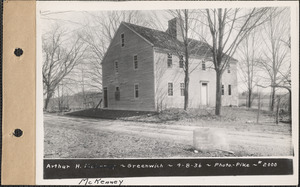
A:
[(174, 28)]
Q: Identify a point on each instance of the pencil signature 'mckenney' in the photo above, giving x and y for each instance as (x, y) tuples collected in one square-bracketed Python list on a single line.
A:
[(87, 181)]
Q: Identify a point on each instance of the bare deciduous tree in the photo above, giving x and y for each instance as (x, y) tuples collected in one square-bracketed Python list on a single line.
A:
[(60, 56), (187, 23), (228, 27), (275, 60), (249, 51), (184, 24)]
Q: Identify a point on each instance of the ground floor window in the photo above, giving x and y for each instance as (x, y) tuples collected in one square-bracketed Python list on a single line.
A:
[(182, 89), (136, 91), (117, 94), (170, 89), (105, 96), (229, 89)]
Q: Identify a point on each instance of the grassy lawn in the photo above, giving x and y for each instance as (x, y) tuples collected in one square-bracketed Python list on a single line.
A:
[(238, 118), (128, 134)]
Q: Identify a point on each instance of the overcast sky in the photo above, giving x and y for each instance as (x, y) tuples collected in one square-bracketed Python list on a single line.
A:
[(75, 20)]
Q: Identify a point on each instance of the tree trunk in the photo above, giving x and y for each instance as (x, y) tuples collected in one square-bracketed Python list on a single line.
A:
[(277, 110), (48, 97), (218, 93), (186, 92), (187, 76), (249, 98), (258, 109), (272, 99), (46, 102)]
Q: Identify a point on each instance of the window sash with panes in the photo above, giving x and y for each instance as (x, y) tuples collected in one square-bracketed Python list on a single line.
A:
[(122, 39), (169, 60), (182, 89), (136, 91), (170, 89), (181, 61), (116, 66), (222, 89), (135, 62)]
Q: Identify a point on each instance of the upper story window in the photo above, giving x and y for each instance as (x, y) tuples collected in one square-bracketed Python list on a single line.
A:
[(182, 89), (170, 89), (203, 66), (136, 91), (228, 68), (122, 39), (117, 94), (135, 62), (169, 60), (229, 89), (222, 89), (116, 66), (181, 61)]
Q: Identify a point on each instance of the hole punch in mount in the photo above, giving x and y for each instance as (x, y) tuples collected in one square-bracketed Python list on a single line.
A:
[(18, 133), (18, 52)]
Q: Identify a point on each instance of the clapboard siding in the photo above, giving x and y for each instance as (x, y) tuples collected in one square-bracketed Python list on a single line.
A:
[(230, 79), (175, 75), (127, 76)]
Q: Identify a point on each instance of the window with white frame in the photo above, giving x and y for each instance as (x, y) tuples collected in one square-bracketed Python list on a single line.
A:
[(170, 89), (135, 62)]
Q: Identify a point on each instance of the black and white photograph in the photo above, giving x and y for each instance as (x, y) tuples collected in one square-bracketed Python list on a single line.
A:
[(172, 82)]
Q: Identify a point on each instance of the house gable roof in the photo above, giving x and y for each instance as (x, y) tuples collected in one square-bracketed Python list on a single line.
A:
[(164, 40)]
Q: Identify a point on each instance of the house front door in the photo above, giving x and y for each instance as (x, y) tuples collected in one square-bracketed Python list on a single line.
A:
[(204, 94), (105, 97)]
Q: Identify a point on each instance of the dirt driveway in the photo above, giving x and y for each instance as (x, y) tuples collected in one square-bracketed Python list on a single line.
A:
[(74, 137)]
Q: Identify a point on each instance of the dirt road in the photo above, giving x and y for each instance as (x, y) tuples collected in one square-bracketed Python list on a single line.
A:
[(72, 137)]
